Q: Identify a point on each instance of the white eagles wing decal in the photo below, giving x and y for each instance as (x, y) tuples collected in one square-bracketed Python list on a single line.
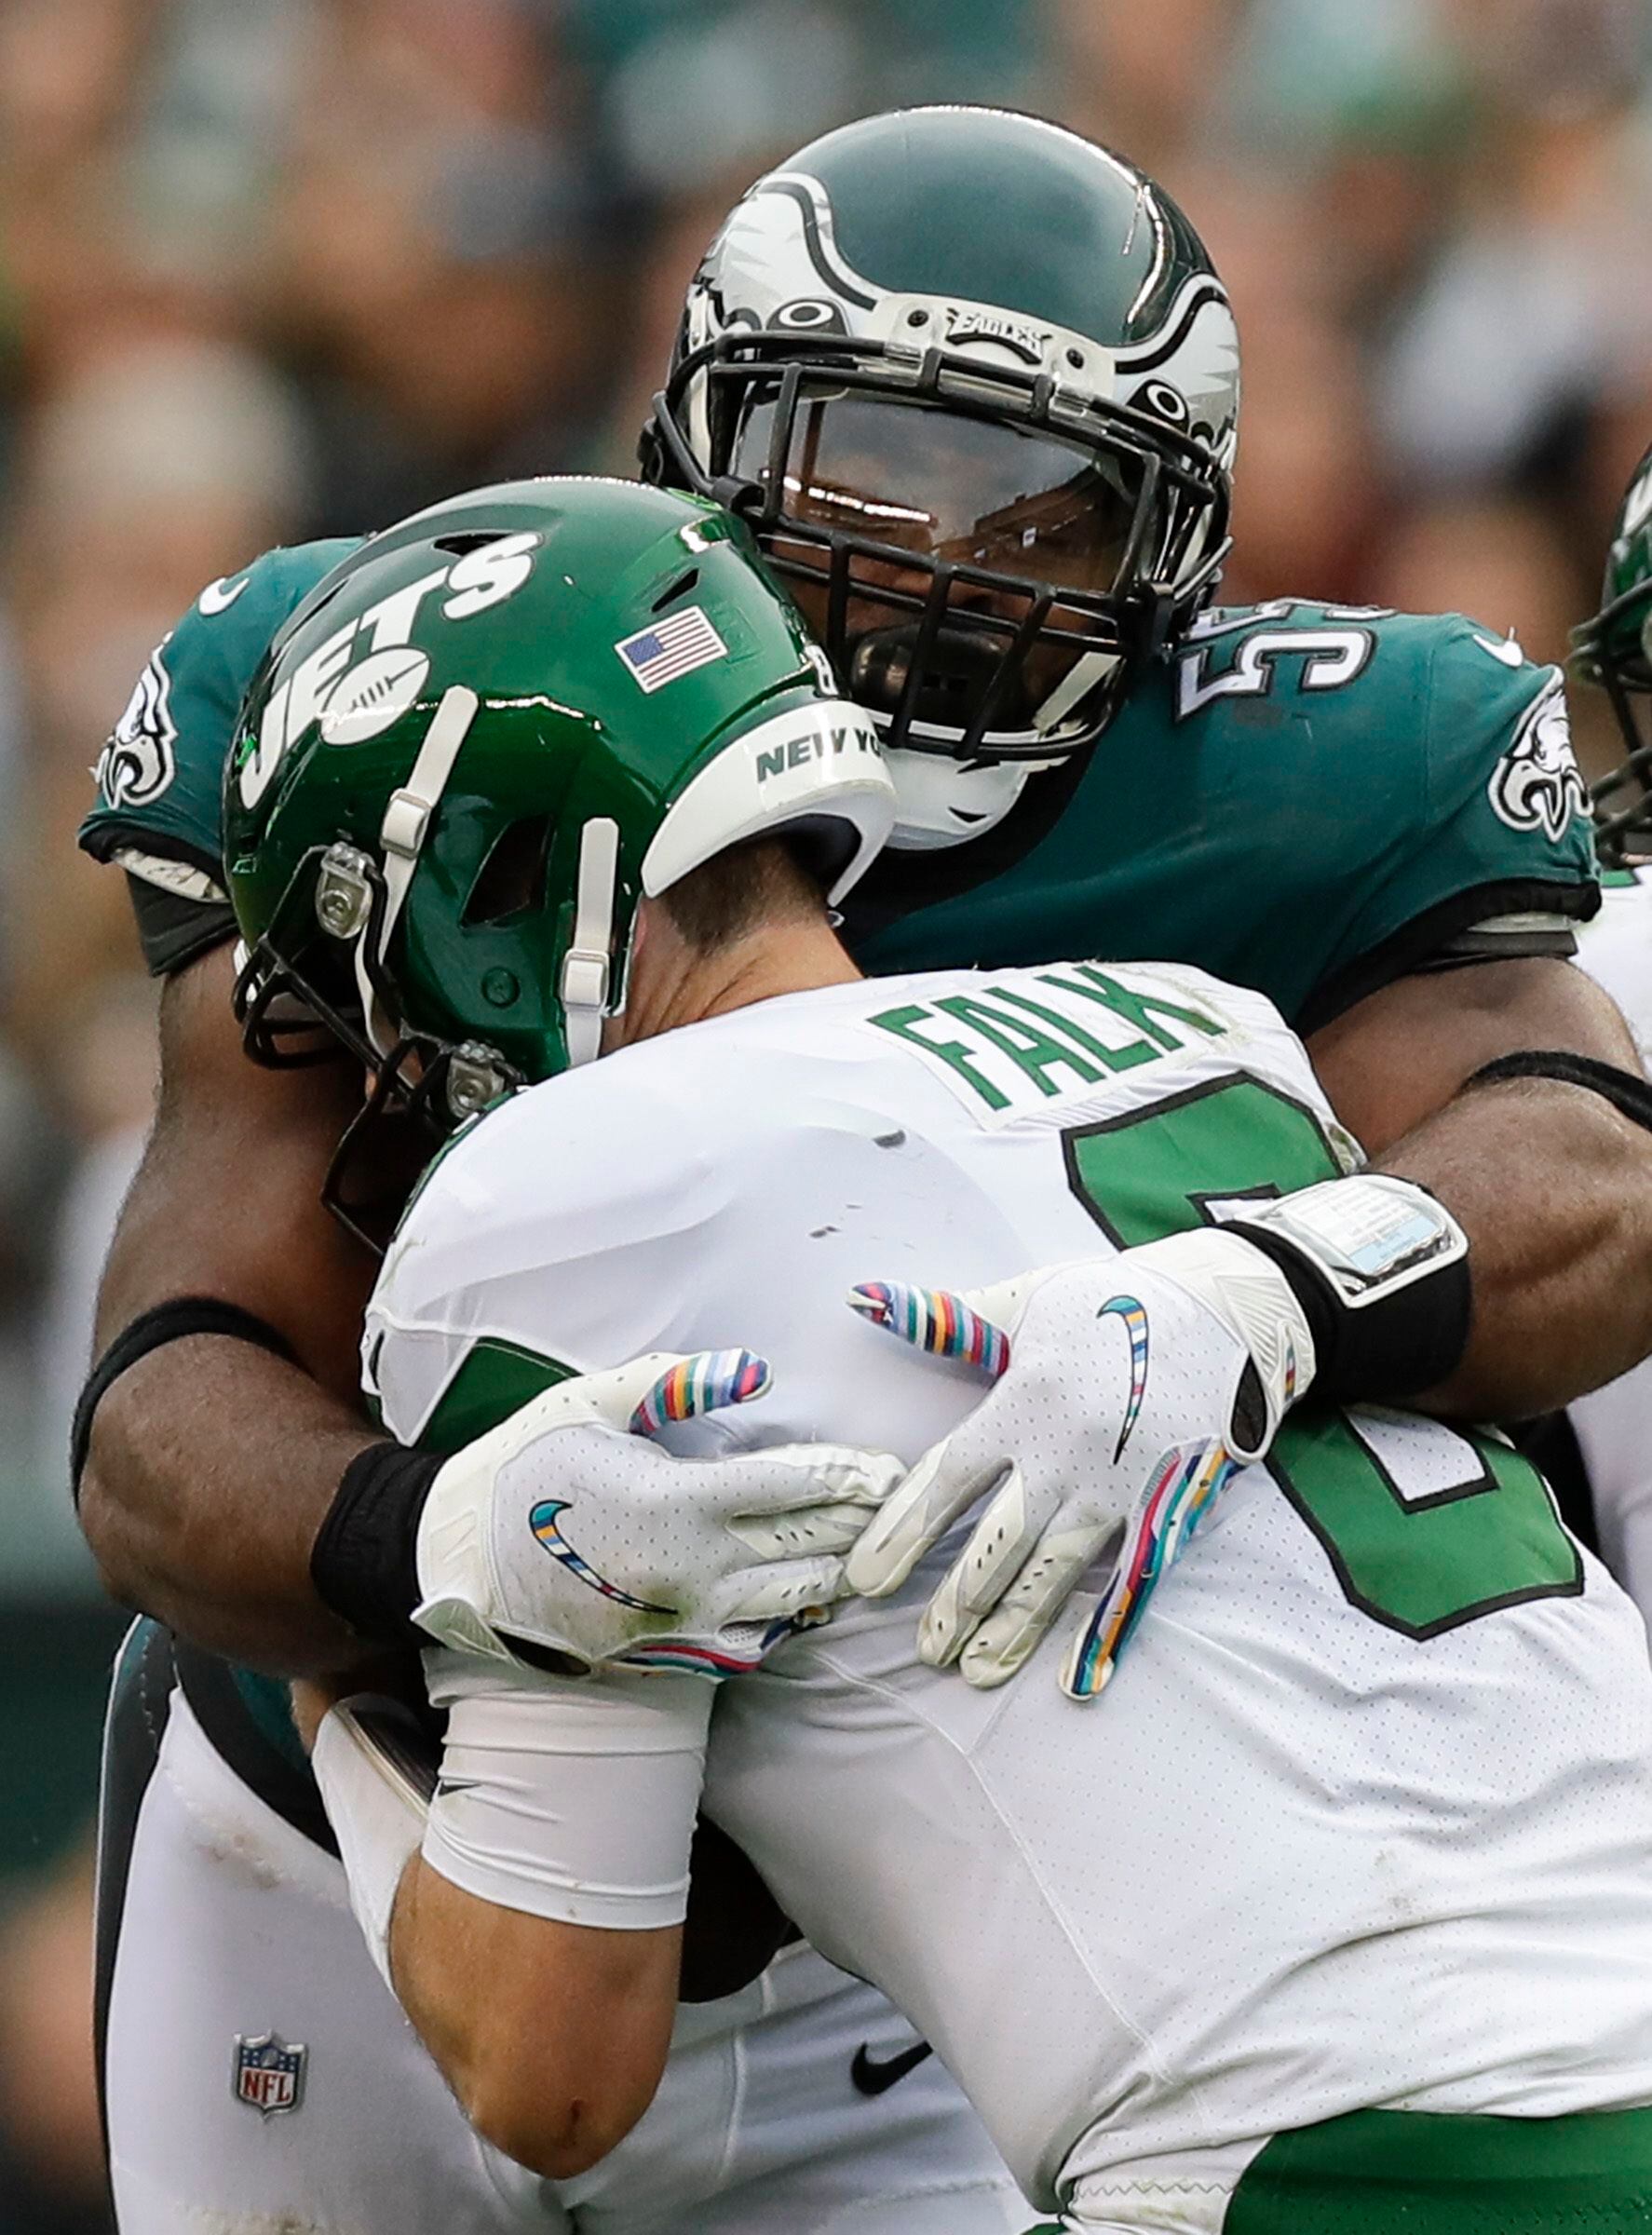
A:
[(1537, 785), (138, 762)]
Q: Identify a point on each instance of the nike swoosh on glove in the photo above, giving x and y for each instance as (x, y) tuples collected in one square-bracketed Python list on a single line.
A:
[(1126, 1391), (565, 1538)]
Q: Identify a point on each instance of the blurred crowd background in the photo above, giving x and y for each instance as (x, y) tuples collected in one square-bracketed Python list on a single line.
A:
[(275, 269)]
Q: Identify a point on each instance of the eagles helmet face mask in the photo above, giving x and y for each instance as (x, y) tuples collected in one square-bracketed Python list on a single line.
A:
[(974, 382), (478, 745), (1615, 650)]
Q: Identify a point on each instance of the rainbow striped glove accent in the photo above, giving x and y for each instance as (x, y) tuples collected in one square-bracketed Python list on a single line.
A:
[(567, 1538), (1126, 1391)]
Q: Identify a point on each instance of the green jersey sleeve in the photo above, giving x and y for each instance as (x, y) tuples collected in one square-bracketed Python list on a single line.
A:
[(160, 775), (1495, 856), (1312, 799)]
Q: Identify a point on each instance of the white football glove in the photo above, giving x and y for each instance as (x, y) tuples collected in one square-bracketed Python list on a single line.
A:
[(565, 1538), (1129, 1389)]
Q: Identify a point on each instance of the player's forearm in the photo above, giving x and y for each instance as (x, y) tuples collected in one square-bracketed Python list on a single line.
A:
[(526, 1904), (536, 1940), (211, 1461), (553, 2038), (211, 1466), (1553, 1188)]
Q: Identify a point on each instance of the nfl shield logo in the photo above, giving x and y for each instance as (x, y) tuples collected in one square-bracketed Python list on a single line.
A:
[(267, 2074)]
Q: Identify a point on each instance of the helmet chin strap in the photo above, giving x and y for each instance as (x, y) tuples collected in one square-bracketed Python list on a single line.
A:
[(1084, 674), (586, 965), (402, 835)]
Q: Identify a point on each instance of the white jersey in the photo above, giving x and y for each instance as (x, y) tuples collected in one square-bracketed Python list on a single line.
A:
[(1613, 1426), (1363, 1820)]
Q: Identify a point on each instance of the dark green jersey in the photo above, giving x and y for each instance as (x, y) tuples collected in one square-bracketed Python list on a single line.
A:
[(1309, 799)]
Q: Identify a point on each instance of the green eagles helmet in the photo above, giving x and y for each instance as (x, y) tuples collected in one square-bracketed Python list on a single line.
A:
[(974, 382), (1615, 650), (476, 745)]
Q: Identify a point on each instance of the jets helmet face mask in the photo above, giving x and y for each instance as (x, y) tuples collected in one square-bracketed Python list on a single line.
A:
[(973, 382), (1615, 650), (474, 749)]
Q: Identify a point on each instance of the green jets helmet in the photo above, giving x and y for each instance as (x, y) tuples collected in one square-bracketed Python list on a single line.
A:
[(482, 739), (1615, 650), (974, 382)]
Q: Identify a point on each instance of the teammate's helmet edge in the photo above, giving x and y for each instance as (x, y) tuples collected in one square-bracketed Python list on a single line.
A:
[(1613, 650)]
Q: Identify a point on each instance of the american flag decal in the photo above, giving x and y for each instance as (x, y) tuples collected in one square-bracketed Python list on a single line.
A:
[(672, 648)]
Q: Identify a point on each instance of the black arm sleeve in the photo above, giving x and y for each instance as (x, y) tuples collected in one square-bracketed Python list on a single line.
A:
[(171, 930), (1629, 1096)]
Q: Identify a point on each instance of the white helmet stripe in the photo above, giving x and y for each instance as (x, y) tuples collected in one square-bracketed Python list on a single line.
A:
[(821, 759)]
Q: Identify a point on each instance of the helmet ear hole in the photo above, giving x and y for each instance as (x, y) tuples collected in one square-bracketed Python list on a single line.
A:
[(511, 880)]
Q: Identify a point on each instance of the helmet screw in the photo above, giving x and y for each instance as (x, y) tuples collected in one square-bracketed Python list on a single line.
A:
[(1074, 357), (500, 988), (917, 318)]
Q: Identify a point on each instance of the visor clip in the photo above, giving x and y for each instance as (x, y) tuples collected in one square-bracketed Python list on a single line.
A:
[(476, 1077), (741, 495), (343, 892)]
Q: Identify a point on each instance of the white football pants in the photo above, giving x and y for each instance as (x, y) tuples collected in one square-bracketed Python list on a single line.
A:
[(234, 1924)]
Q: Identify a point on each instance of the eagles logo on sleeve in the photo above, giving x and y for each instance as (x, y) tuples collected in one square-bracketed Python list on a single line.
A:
[(1537, 785), (138, 762)]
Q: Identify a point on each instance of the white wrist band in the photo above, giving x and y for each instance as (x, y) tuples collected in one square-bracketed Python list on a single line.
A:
[(376, 1799), (573, 1800)]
